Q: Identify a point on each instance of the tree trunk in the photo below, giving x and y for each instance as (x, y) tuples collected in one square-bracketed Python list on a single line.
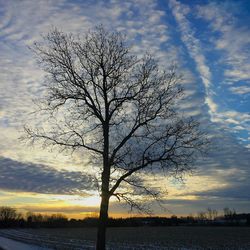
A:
[(103, 218)]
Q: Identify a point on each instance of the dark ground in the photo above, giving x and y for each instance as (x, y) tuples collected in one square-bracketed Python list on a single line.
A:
[(173, 237)]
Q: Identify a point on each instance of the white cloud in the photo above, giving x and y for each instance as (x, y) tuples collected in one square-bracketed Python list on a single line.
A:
[(241, 90), (230, 41), (233, 40), (213, 106), (232, 121), (229, 120), (194, 49)]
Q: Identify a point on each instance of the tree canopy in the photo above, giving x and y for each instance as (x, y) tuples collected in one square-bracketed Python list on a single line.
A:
[(118, 107)]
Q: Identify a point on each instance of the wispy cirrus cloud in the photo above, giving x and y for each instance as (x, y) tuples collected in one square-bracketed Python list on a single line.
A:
[(194, 49), (233, 56), (233, 39), (241, 90)]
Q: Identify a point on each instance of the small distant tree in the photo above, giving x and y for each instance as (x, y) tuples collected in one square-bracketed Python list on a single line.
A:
[(202, 216), (215, 214), (229, 214), (57, 220), (9, 216), (35, 219), (211, 213), (118, 108)]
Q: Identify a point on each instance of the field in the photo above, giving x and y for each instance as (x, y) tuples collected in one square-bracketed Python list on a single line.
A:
[(141, 237)]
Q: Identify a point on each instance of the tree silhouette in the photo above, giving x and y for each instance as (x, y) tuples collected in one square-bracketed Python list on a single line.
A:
[(8, 216), (119, 108)]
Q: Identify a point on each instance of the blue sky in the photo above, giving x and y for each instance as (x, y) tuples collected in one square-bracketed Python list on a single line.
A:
[(210, 43)]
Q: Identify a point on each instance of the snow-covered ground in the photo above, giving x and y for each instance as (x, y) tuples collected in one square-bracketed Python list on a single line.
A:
[(44, 241), (144, 238), (12, 239), (8, 244)]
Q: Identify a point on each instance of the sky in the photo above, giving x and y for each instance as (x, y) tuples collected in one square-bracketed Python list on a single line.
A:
[(209, 41)]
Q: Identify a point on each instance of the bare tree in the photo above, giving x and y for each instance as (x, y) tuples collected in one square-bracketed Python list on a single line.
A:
[(8, 213), (202, 216), (122, 110), (211, 213), (8, 216), (229, 214)]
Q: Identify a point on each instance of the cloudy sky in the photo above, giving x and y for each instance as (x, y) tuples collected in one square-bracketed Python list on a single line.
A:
[(210, 43)]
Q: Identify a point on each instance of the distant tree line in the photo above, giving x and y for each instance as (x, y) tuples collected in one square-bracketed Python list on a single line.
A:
[(10, 217)]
